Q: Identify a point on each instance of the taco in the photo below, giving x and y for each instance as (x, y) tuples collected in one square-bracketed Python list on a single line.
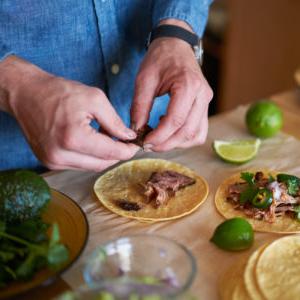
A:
[(151, 190), (270, 201)]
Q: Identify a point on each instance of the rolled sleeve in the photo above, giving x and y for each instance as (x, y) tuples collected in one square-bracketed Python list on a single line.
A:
[(193, 12)]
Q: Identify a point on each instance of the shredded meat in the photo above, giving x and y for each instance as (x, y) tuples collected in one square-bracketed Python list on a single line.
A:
[(161, 186), (141, 134), (283, 203), (237, 188), (260, 180), (128, 205)]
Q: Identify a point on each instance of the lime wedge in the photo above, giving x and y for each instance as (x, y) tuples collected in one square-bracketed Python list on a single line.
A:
[(239, 151)]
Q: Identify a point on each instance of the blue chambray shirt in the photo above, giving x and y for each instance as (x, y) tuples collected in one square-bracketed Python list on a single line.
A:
[(97, 42)]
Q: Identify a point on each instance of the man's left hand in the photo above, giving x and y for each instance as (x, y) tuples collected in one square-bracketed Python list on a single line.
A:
[(170, 67)]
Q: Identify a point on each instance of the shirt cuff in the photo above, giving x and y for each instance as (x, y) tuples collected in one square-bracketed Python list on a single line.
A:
[(193, 12), (4, 52)]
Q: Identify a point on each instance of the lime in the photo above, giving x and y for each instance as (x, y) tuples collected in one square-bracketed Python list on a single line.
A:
[(239, 151), (233, 234), (264, 119)]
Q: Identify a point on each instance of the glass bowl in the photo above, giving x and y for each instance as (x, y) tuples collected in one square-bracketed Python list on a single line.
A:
[(98, 292), (141, 264)]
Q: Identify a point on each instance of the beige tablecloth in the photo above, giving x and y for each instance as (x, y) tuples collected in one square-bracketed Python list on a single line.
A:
[(194, 231)]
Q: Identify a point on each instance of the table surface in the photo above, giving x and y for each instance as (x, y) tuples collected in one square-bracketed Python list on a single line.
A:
[(194, 230)]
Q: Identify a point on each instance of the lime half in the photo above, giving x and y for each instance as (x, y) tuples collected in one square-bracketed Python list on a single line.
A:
[(233, 235), (239, 151)]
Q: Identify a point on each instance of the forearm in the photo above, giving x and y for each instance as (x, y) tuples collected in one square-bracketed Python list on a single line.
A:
[(15, 74), (4, 91)]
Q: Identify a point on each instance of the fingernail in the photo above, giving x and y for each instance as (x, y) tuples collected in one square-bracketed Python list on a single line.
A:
[(147, 147), (131, 134)]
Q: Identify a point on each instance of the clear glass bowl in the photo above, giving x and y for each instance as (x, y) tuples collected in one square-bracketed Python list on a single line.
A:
[(141, 264)]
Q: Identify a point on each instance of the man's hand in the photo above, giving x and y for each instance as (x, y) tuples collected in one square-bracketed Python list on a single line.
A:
[(55, 116), (170, 67)]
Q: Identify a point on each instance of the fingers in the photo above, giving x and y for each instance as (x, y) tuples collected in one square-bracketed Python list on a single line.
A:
[(201, 137), (145, 91), (64, 159), (87, 140), (107, 117), (192, 133), (182, 98)]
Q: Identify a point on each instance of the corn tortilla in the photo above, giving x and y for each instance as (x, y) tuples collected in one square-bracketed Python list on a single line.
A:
[(124, 182), (250, 280), (284, 224), (278, 269)]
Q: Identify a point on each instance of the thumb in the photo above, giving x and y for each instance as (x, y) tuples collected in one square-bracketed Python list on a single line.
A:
[(144, 94), (109, 120)]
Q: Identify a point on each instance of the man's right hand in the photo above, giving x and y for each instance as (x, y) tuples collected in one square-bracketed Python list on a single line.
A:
[(55, 116)]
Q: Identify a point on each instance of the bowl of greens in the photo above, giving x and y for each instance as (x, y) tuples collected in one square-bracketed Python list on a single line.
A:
[(35, 240), (141, 265)]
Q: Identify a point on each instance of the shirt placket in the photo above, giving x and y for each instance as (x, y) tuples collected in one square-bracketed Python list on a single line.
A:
[(109, 35)]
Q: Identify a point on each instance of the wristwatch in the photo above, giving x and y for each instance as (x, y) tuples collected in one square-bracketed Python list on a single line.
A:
[(180, 33)]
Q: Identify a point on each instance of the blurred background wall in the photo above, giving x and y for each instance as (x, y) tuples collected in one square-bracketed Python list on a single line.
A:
[(252, 49)]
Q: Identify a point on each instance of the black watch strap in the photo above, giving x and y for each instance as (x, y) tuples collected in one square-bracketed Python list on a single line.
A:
[(173, 31)]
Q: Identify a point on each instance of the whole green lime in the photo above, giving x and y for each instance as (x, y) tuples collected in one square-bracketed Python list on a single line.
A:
[(234, 235), (264, 119)]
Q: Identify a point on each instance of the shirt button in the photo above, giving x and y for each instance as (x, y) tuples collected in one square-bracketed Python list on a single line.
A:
[(115, 69)]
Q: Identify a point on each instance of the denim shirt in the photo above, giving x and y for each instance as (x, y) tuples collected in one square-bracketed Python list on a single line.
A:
[(97, 42)]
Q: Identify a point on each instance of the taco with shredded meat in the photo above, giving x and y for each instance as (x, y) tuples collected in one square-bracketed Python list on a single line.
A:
[(270, 201), (151, 190)]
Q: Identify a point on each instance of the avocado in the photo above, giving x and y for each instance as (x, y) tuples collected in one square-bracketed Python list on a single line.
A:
[(23, 195)]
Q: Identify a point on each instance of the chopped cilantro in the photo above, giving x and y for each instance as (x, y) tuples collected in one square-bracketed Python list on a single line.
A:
[(271, 178), (292, 187), (297, 212), (248, 177), (292, 182), (251, 190)]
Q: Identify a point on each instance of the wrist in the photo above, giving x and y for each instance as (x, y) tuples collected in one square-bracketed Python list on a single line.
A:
[(16, 75), (166, 44), (177, 30)]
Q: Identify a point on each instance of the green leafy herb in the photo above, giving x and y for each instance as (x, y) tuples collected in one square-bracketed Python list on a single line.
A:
[(55, 236), (2, 226), (248, 177), (25, 246), (27, 267), (22, 254), (297, 212), (271, 178), (292, 182), (292, 188), (6, 256), (57, 255), (251, 190), (33, 230), (11, 272)]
